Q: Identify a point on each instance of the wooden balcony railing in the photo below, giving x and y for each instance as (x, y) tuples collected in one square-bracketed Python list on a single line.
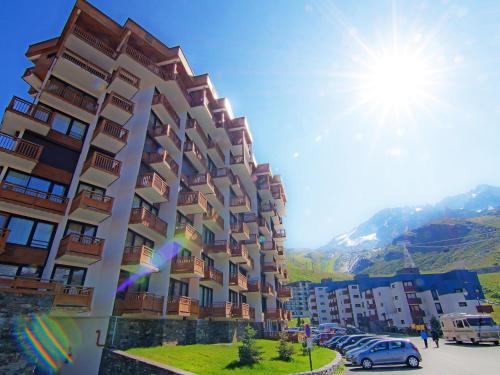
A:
[(153, 180), (190, 146), (219, 247), (241, 311), (213, 274), (137, 255), (81, 245), (414, 301), (238, 279), (33, 198), (201, 179), (267, 288), (72, 296), (222, 172), (213, 145), (92, 200), (213, 215), (267, 207), (240, 201), (240, 227), (72, 96), (179, 306), (269, 246), (161, 157), (29, 285), (217, 310), (20, 147), (119, 101), (166, 130), (94, 41), (270, 267), (103, 162), (86, 65), (4, 234), (409, 288), (111, 129), (273, 314), (199, 98), (279, 234), (193, 124), (126, 76), (188, 198), (143, 60), (188, 233), (148, 219), (162, 100), (284, 292), (36, 112), (143, 302), (187, 264)]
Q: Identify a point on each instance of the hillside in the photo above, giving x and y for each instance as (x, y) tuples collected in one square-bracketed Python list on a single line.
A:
[(443, 245), (491, 288), (313, 265)]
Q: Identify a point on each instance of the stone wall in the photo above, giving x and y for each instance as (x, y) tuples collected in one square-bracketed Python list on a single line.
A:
[(328, 369), (14, 310), (124, 333), (118, 362)]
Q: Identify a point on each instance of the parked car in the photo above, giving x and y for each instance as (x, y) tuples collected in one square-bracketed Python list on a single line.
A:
[(352, 340), (388, 352), (349, 355), (359, 343), (332, 341), (340, 341)]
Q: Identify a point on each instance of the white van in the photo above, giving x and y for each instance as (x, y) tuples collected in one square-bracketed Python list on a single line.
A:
[(474, 328)]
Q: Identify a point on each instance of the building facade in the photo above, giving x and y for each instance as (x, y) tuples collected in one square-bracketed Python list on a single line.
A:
[(397, 301), (128, 183), (298, 305)]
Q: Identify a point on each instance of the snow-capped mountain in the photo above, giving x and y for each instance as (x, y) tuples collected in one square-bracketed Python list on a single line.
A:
[(390, 223)]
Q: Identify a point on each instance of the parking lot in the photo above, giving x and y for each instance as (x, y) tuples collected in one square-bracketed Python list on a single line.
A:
[(449, 359)]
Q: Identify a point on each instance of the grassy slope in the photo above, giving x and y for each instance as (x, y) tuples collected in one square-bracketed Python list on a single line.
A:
[(293, 323), (222, 358), (491, 288), (313, 266)]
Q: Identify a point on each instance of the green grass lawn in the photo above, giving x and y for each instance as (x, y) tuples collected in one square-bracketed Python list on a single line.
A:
[(491, 288), (222, 359), (293, 323)]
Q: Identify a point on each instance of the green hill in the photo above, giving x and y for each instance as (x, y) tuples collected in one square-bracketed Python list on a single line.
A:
[(491, 289), (313, 265)]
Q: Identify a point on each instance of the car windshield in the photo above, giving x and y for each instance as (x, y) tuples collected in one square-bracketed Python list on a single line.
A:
[(481, 322), (369, 344)]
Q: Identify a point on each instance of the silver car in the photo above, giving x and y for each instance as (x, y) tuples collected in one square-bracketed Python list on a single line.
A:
[(388, 352)]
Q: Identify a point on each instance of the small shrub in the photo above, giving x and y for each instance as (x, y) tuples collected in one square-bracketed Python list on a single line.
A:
[(285, 349), (436, 325), (249, 352)]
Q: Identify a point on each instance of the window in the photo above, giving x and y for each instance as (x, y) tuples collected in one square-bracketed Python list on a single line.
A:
[(138, 202), (399, 309), (178, 288), (208, 261), (354, 286), (134, 239), (402, 321), (81, 228), (396, 298), (30, 232), (17, 270), (439, 309), (396, 345), (462, 304), (36, 183), (233, 269), (69, 275), (460, 324), (355, 296), (69, 126), (357, 305), (92, 188), (206, 296), (233, 297), (212, 168), (435, 295), (140, 285), (379, 347), (154, 121), (208, 236), (182, 219)]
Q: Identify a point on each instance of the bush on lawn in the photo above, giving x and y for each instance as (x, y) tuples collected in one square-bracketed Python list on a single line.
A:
[(249, 352), (285, 349)]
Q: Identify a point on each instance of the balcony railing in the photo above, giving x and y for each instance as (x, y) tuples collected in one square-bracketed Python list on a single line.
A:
[(240, 201), (20, 147), (143, 302), (33, 198), (284, 292), (188, 198), (126, 76), (199, 98), (273, 314), (4, 234), (94, 41), (161, 157), (201, 179), (148, 219), (213, 145), (212, 274), (87, 199), (254, 286), (72, 96), (414, 301), (269, 246), (187, 265), (71, 296), (166, 130), (104, 163), (86, 65), (143, 60), (192, 124), (190, 146), (240, 227), (162, 100), (138, 255), (217, 310), (241, 311), (153, 180), (119, 101), (409, 288), (80, 245), (219, 247), (111, 129), (270, 267), (239, 280), (36, 112), (213, 215), (180, 306)]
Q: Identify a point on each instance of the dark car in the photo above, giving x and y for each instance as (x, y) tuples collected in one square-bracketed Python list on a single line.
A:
[(359, 343), (333, 341), (351, 340), (340, 341)]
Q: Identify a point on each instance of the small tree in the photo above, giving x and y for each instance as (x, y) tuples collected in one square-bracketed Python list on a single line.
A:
[(436, 326), (249, 352), (299, 322), (285, 349)]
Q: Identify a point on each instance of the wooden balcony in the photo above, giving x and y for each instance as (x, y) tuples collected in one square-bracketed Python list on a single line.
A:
[(414, 301), (196, 133), (152, 187), (270, 267), (78, 249), (252, 244), (372, 306), (222, 177), (219, 248), (201, 182), (240, 165), (70, 297), (81, 73), (241, 311), (240, 231), (22, 115), (238, 282), (252, 221), (4, 234), (240, 205), (274, 314), (195, 156), (164, 110), (91, 207), (33, 78), (216, 154), (91, 47), (213, 221), (239, 253), (18, 153), (69, 100), (147, 224), (117, 108), (267, 210), (416, 314), (138, 259), (409, 288), (101, 170), (284, 293), (143, 304), (179, 307), (166, 136), (254, 286), (192, 202), (484, 309), (279, 236), (264, 227), (269, 247), (237, 186), (217, 311), (267, 289), (212, 277), (109, 135), (200, 108), (216, 199), (162, 163), (188, 237), (124, 83), (187, 267), (31, 202), (27, 285)]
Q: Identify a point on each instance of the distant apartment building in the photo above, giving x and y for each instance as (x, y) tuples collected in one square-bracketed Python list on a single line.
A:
[(128, 182), (398, 301), (298, 305)]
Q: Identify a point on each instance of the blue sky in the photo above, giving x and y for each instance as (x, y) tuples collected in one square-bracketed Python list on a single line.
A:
[(299, 70)]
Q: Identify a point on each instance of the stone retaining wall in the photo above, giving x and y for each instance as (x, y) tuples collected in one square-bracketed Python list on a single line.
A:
[(328, 369)]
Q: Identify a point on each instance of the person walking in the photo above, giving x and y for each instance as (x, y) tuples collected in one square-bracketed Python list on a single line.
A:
[(435, 337), (424, 337)]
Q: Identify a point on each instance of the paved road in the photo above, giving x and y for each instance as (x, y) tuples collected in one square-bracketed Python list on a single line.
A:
[(449, 359)]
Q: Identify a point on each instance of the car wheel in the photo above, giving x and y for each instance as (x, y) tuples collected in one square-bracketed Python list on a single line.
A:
[(412, 361), (458, 341), (495, 343), (367, 363)]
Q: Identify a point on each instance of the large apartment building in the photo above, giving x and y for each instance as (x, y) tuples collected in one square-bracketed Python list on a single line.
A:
[(298, 305), (128, 182), (398, 301)]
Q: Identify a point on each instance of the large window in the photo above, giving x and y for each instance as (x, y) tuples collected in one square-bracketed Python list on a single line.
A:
[(30, 232), (33, 182), (178, 288), (138, 202), (81, 228), (69, 275), (208, 236), (69, 126), (134, 239), (19, 270), (92, 188), (208, 261), (206, 296), (233, 297)]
